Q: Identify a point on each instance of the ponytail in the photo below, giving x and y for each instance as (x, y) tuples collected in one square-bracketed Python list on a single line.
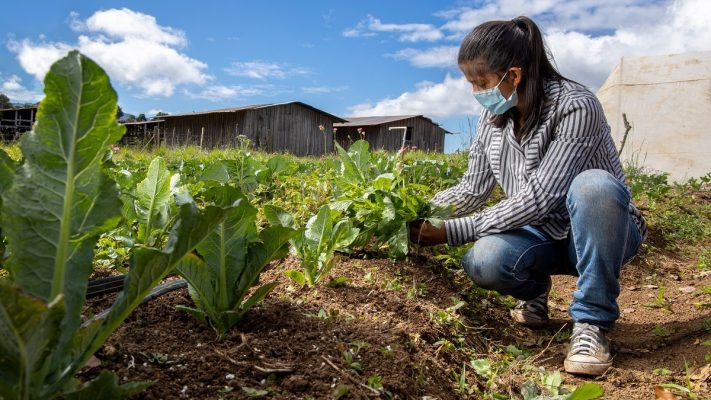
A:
[(516, 43)]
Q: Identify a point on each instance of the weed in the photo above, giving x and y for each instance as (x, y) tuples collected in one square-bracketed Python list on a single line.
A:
[(661, 331), (659, 301), (375, 382), (349, 358), (688, 389), (704, 262)]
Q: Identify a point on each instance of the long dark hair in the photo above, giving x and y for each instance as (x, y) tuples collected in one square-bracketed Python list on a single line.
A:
[(515, 43)]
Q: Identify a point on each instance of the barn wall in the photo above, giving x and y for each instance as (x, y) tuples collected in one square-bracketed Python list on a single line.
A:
[(281, 128), (425, 135), (221, 129)]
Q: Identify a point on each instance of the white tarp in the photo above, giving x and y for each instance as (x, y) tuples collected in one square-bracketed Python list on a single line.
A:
[(667, 101)]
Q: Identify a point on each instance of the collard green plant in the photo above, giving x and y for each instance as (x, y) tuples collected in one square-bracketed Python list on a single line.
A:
[(315, 246), (59, 202), (374, 194), (229, 262)]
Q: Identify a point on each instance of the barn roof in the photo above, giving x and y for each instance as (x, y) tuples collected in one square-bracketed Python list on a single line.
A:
[(372, 121), (153, 121), (252, 107)]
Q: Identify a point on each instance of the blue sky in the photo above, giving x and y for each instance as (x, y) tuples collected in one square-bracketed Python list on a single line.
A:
[(348, 58)]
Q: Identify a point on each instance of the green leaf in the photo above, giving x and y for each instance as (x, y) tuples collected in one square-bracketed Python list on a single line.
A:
[(256, 298), (278, 216), (217, 172), (199, 315), (153, 196), (482, 367), (7, 171), (296, 276), (344, 234), (587, 391), (319, 227), (60, 200), (337, 281), (30, 329), (281, 165), (399, 242), (106, 386), (355, 163)]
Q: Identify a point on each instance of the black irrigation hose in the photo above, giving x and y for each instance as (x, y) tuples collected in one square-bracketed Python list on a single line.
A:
[(102, 286), (112, 284)]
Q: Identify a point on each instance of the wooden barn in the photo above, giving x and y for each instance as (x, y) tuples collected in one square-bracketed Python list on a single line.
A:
[(285, 127), (392, 132), (15, 121)]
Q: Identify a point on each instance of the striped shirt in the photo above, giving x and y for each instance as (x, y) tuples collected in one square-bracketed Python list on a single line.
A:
[(572, 136)]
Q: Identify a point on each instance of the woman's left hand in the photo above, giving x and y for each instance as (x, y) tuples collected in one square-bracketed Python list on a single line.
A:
[(426, 234)]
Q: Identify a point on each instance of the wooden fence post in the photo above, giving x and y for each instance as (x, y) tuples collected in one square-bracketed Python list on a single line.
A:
[(202, 135)]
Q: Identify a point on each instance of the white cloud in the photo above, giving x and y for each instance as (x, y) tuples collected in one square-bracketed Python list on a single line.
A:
[(12, 87), (124, 23), (450, 97), (440, 56), (406, 32), (130, 46), (323, 89), (264, 70), (218, 93), (581, 15)]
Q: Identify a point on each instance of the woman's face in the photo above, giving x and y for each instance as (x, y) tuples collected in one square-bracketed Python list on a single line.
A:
[(481, 78)]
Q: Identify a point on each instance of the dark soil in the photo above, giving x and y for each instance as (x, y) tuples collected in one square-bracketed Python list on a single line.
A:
[(392, 317)]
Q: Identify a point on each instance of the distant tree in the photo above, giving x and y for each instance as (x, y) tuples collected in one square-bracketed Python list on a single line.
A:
[(130, 117), (141, 117), (158, 115), (5, 101), (119, 112)]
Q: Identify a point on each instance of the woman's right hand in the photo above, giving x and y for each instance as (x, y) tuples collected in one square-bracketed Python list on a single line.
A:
[(426, 234)]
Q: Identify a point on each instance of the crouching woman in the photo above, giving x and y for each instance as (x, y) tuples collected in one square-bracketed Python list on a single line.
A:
[(545, 140)]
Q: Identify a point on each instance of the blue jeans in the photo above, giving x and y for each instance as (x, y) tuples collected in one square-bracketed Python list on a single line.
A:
[(603, 237)]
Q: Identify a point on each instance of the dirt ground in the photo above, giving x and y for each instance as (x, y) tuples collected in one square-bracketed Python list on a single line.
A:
[(384, 334)]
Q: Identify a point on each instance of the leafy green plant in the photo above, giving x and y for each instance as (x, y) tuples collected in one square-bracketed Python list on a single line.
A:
[(228, 263), (316, 245), (374, 194), (59, 203)]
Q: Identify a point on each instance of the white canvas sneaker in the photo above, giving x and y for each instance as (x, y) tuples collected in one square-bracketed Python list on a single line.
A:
[(589, 352)]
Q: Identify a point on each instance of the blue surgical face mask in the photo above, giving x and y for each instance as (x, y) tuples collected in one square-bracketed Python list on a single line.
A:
[(494, 101)]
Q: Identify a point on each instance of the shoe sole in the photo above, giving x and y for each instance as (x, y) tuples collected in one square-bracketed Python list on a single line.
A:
[(531, 323), (585, 368)]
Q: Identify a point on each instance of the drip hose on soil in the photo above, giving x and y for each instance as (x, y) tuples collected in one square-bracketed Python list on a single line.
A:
[(115, 284)]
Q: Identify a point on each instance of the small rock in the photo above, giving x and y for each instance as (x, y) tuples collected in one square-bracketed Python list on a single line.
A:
[(632, 288), (109, 350), (92, 363), (674, 277), (650, 287), (687, 289), (628, 311), (229, 377)]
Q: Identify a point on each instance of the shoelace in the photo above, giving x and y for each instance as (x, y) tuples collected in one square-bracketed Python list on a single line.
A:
[(585, 341)]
